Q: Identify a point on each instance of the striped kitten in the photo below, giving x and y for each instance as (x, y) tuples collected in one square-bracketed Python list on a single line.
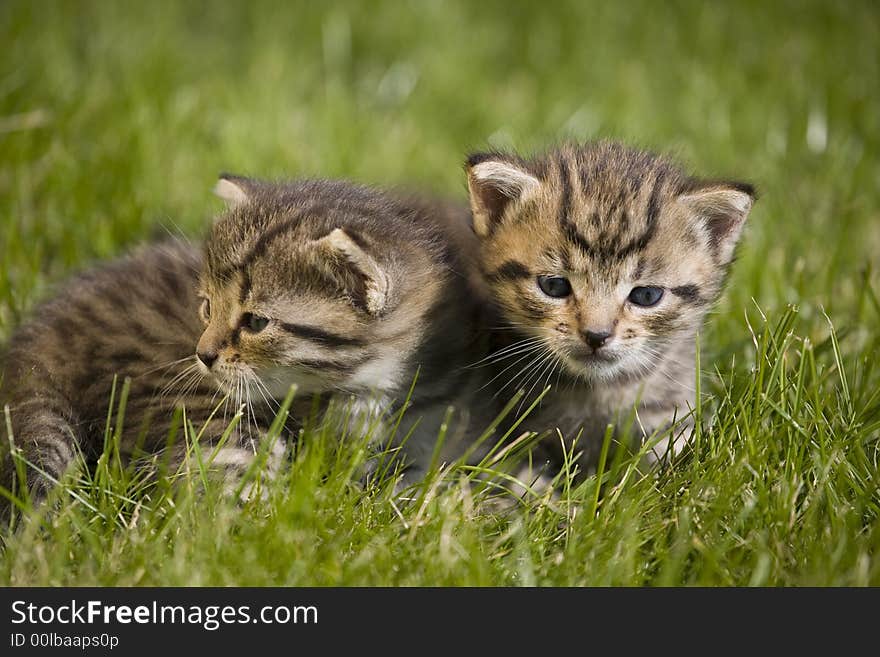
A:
[(135, 317), (323, 285), (342, 289), (602, 261)]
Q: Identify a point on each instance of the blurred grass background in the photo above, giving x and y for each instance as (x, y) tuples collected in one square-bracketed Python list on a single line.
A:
[(115, 119)]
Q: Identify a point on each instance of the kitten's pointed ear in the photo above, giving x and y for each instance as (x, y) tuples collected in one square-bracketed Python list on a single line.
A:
[(494, 181), (721, 208), (373, 279), (234, 190)]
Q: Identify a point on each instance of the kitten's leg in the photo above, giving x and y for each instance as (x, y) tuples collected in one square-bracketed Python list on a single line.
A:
[(236, 462), (44, 433), (426, 426), (654, 421), (232, 461)]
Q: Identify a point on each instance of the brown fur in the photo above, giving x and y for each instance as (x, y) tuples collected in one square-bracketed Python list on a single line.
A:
[(359, 291), (608, 219), (363, 290), (134, 318)]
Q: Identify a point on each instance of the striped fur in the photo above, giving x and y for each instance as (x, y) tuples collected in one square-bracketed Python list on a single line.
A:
[(359, 292), (608, 219), (133, 318)]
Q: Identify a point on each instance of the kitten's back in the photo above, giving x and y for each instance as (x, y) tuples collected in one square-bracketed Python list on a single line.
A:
[(132, 318)]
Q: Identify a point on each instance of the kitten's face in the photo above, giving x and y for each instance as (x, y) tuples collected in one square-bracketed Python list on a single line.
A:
[(277, 336), (601, 256), (287, 301)]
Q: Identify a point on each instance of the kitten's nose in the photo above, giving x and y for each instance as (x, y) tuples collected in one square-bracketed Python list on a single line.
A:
[(207, 357), (596, 339)]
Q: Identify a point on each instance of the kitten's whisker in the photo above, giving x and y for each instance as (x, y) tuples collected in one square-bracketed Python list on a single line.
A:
[(559, 373), (174, 380), (555, 362), (524, 370), (541, 368), (681, 385), (652, 366), (273, 405), (518, 352), (516, 346), (179, 379), (523, 357), (165, 366), (244, 405), (272, 409), (238, 405), (188, 386), (250, 408), (544, 360)]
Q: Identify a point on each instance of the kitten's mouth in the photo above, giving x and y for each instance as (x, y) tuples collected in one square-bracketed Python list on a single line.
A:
[(594, 358), (595, 365)]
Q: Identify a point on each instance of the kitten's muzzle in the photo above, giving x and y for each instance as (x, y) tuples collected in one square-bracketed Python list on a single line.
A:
[(595, 358), (583, 353)]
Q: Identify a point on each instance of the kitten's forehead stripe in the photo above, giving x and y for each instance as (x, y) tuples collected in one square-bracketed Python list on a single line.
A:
[(565, 185), (639, 243), (654, 201), (245, 286), (262, 243), (581, 160), (565, 258), (610, 218), (640, 269)]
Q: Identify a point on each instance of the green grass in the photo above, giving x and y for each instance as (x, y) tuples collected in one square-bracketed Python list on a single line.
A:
[(115, 121)]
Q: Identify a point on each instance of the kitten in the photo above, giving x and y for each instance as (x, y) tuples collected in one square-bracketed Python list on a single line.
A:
[(338, 288), (602, 261), (135, 317), (323, 285)]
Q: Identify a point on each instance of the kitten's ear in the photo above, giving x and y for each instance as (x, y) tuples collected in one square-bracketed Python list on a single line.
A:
[(235, 190), (721, 208), (494, 181), (372, 276)]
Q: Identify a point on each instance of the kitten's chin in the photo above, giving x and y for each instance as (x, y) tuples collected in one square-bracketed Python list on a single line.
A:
[(602, 369)]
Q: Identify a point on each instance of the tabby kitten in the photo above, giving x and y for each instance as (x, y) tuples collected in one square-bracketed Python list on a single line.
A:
[(134, 317), (330, 287), (602, 261), (341, 289)]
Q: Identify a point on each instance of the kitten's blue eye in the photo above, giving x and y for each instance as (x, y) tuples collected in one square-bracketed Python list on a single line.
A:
[(554, 286), (254, 323), (646, 296)]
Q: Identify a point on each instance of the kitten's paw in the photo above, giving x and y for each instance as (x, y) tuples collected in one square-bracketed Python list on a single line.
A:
[(251, 491), (408, 480), (664, 452), (248, 475)]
